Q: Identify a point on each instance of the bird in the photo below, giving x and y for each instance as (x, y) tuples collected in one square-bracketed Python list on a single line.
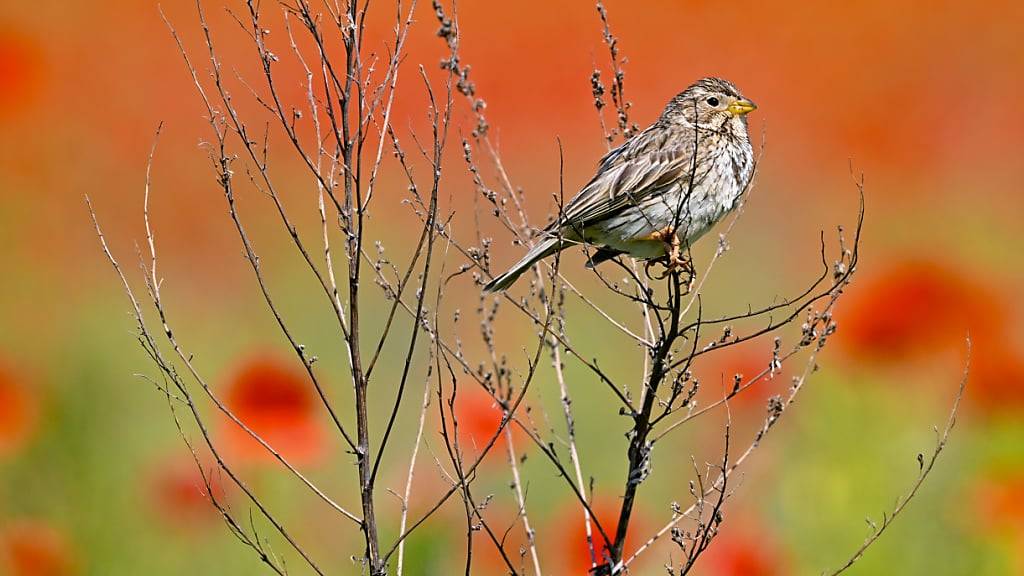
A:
[(662, 189)]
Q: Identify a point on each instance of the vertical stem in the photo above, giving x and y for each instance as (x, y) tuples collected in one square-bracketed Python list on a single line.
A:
[(517, 487), (639, 451), (363, 447), (353, 221)]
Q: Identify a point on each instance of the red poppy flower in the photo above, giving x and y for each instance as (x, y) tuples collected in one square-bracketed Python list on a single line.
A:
[(277, 402), (479, 416), (569, 531), (20, 64), (998, 502), (717, 372), (996, 379), (179, 495), (18, 412), (740, 551), (913, 307), (997, 505), (918, 309), (35, 548)]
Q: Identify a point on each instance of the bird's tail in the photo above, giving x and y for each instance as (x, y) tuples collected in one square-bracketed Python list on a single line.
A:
[(542, 250)]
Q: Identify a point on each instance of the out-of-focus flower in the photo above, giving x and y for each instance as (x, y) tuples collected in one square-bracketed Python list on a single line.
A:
[(738, 550), (568, 531), (717, 372), (921, 310), (998, 502), (277, 402), (20, 64), (996, 379), (19, 411), (179, 495), (915, 307), (35, 548), (479, 416)]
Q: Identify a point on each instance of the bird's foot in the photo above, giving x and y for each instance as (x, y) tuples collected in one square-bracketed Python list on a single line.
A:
[(674, 259), (672, 264)]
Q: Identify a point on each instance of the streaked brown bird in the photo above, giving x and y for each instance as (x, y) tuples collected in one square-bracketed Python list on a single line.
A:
[(660, 190)]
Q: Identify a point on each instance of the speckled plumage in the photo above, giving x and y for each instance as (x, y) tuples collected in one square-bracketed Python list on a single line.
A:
[(683, 174)]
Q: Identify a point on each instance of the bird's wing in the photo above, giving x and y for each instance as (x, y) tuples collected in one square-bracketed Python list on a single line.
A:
[(625, 179)]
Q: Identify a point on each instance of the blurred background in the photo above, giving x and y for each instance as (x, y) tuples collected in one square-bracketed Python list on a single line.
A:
[(924, 99)]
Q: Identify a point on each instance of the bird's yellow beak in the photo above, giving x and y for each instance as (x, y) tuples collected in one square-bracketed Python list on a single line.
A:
[(741, 107)]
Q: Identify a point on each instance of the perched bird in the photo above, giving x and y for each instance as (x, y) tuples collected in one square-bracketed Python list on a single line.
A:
[(660, 190)]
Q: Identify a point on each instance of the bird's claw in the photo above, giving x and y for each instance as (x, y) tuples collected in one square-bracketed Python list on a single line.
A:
[(674, 260), (672, 264)]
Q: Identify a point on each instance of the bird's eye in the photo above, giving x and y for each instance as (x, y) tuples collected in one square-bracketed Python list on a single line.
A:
[(712, 101)]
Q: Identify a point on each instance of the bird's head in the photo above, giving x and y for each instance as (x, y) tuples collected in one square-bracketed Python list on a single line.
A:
[(711, 103)]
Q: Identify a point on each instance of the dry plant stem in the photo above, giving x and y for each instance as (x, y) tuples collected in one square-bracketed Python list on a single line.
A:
[(707, 528), (574, 457), (435, 351), (401, 33), (508, 414), (648, 325), (253, 259), (475, 263), (349, 139), (735, 391), (153, 285), (821, 328), (452, 353), (150, 346), (639, 449), (517, 488), (591, 363), (395, 293), (578, 487), (222, 165), (618, 77), (925, 469), (407, 494), (353, 202), (323, 188), (611, 320), (440, 120), (473, 510), (152, 349), (449, 32), (253, 542)]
